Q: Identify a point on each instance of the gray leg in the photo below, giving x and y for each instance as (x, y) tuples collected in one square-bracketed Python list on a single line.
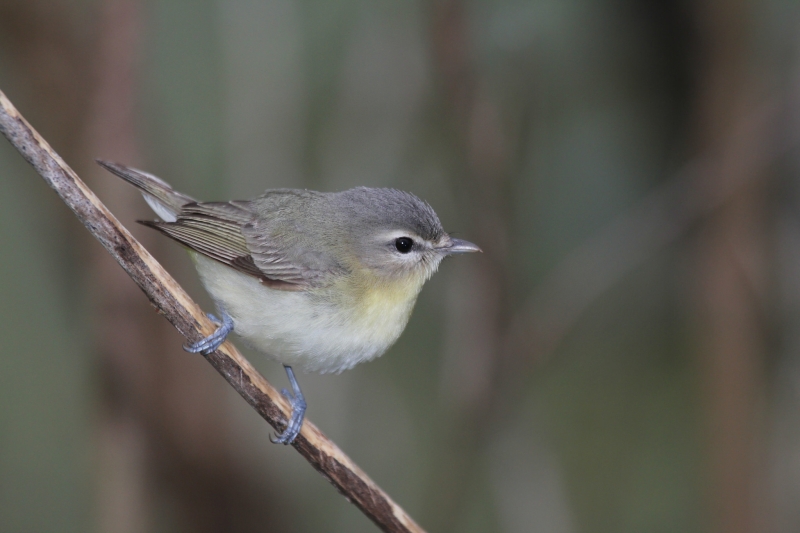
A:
[(298, 411), (212, 342)]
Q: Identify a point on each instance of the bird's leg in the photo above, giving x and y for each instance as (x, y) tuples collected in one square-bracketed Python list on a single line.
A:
[(212, 342), (298, 403)]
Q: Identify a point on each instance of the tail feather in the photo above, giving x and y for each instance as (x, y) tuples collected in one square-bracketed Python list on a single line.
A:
[(162, 198)]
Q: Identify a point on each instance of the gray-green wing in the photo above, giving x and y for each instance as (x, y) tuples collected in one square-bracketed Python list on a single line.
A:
[(289, 238), (218, 230)]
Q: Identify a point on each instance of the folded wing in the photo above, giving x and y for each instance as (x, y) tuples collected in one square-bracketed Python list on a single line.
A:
[(220, 230)]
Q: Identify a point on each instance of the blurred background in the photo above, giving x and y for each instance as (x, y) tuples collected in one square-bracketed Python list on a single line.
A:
[(624, 357)]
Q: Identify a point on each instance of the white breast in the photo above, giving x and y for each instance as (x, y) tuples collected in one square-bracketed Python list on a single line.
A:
[(304, 329)]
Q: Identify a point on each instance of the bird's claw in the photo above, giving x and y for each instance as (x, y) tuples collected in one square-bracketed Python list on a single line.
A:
[(209, 344), (298, 403)]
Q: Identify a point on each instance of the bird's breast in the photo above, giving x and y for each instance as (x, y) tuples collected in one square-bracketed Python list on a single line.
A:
[(324, 330)]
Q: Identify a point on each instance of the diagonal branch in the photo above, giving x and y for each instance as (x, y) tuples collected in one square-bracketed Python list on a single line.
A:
[(173, 302)]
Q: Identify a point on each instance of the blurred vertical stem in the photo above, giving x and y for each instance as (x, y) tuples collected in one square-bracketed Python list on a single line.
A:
[(122, 318), (730, 275), (480, 182)]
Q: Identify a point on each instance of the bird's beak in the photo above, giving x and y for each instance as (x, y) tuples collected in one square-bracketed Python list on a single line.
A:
[(458, 246)]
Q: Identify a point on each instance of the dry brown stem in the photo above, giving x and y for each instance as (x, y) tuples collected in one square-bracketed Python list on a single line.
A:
[(173, 302)]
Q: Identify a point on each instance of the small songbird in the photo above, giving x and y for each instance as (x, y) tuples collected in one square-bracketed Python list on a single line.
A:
[(320, 281)]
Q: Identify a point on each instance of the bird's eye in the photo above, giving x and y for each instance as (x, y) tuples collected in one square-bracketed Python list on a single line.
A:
[(403, 245)]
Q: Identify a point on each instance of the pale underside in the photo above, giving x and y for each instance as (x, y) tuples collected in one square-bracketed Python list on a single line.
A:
[(311, 330)]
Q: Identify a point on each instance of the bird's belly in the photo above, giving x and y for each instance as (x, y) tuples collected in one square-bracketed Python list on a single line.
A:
[(303, 329)]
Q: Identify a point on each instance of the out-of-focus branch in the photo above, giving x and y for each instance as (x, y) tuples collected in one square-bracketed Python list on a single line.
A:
[(173, 302), (732, 257), (128, 352), (474, 362)]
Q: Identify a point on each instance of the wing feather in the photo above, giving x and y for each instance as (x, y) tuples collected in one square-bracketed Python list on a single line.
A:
[(226, 232), (289, 258)]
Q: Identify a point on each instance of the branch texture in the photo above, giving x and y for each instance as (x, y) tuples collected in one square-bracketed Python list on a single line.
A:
[(187, 317)]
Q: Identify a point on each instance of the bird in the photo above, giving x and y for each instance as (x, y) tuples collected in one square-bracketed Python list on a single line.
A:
[(319, 281)]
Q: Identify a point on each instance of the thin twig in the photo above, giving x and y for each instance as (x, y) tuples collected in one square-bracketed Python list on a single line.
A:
[(173, 302)]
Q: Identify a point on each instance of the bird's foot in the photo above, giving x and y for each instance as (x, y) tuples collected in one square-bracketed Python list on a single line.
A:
[(298, 403), (212, 342)]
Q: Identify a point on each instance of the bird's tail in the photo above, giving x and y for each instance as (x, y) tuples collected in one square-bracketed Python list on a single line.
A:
[(162, 198)]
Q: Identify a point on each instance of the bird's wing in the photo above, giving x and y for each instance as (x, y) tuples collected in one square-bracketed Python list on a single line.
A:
[(289, 257), (223, 230)]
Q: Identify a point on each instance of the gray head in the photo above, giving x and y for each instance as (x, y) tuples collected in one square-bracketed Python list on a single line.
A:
[(394, 232)]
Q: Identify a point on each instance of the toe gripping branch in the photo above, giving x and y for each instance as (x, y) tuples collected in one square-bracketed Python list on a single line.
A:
[(298, 403), (209, 344)]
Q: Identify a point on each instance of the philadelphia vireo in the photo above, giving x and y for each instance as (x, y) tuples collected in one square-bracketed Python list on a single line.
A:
[(322, 281)]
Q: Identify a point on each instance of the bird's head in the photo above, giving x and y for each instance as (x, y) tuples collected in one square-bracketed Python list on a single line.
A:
[(395, 235)]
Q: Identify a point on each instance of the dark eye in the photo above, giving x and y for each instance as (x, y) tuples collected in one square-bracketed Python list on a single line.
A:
[(403, 245)]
